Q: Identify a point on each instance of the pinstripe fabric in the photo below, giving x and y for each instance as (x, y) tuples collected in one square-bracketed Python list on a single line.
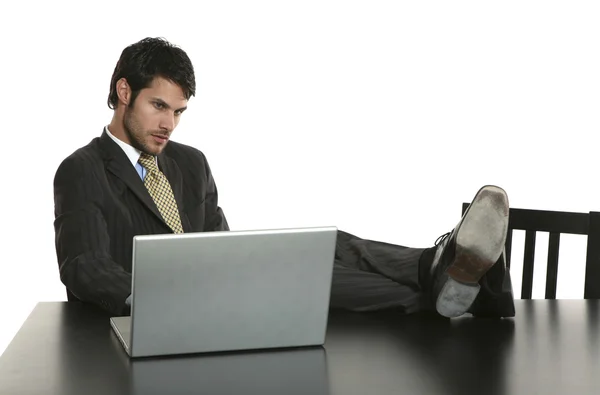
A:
[(101, 203), (372, 275)]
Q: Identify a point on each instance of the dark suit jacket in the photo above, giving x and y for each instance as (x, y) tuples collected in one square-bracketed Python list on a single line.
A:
[(101, 202)]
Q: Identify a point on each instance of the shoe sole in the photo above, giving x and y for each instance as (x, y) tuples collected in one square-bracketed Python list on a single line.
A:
[(479, 242)]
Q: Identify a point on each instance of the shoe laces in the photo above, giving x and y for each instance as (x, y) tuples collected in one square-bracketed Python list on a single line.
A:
[(441, 238)]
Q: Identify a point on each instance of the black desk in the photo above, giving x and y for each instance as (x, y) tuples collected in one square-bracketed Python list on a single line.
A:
[(551, 347)]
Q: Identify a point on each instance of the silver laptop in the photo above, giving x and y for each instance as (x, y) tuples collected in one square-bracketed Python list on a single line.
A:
[(228, 291)]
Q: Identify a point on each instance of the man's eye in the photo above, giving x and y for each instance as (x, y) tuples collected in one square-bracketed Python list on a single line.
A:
[(159, 105)]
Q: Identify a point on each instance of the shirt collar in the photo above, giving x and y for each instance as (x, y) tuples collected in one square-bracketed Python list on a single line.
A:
[(133, 154)]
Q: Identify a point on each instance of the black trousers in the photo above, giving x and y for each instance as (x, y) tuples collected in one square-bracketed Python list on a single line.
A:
[(372, 275)]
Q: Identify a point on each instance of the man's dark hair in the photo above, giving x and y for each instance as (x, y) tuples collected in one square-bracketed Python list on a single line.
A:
[(141, 62)]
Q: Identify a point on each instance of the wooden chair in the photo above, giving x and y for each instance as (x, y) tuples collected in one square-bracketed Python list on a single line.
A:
[(556, 223)]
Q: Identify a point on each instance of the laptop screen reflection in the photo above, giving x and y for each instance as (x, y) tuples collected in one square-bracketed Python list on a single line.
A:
[(272, 372)]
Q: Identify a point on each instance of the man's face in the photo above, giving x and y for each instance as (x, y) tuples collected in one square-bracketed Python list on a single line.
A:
[(154, 115)]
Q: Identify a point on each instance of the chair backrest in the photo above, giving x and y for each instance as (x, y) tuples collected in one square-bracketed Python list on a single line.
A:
[(555, 223)]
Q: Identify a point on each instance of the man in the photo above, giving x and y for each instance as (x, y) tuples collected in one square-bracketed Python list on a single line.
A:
[(133, 180)]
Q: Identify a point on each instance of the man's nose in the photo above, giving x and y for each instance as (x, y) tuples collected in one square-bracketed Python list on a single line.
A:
[(167, 122)]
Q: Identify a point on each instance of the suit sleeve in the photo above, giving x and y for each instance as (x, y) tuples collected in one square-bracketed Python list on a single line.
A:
[(215, 217), (82, 240)]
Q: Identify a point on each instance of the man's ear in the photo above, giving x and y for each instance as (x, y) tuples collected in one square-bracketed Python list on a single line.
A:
[(123, 91)]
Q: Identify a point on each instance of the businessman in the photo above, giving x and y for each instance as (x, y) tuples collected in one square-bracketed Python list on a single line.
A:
[(133, 180)]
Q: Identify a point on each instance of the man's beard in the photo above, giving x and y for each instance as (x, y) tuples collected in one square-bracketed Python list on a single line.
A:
[(134, 133)]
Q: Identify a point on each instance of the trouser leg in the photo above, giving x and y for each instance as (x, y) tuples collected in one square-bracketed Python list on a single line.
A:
[(372, 275)]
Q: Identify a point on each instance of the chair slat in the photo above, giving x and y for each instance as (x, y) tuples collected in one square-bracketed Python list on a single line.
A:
[(528, 260), (592, 266), (552, 268), (508, 247)]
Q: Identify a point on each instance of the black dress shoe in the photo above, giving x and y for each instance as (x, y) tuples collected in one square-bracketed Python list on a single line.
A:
[(467, 253), (496, 299)]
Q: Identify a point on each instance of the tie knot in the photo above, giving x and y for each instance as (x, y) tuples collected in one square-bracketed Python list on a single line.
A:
[(148, 161)]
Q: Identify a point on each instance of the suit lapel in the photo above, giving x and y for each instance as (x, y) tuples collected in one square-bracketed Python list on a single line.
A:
[(118, 164)]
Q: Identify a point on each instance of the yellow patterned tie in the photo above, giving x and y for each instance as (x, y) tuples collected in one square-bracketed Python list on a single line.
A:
[(162, 194)]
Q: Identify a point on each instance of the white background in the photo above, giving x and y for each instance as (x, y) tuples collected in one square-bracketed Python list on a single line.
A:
[(379, 117)]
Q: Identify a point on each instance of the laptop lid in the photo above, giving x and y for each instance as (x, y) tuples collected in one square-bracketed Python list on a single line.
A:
[(233, 290)]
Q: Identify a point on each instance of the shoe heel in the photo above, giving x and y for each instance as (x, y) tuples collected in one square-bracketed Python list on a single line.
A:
[(456, 298)]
